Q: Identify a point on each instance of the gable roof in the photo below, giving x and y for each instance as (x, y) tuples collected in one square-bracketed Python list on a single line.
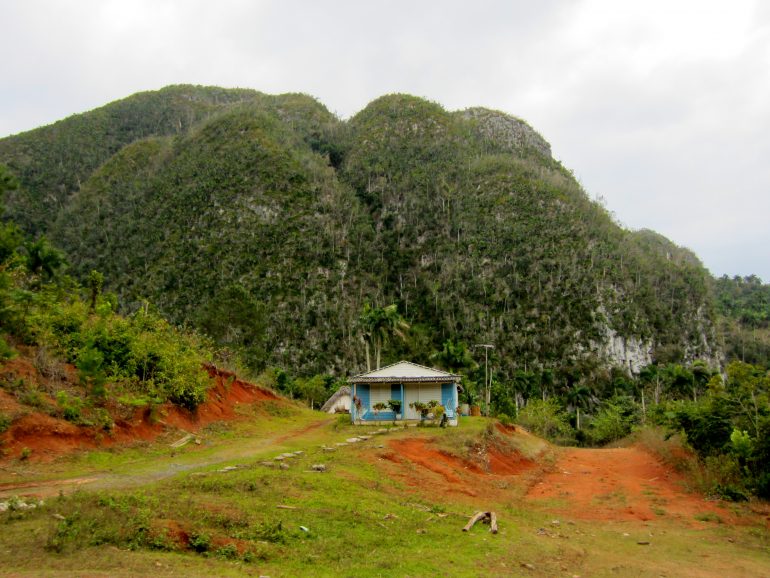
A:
[(344, 390), (405, 371)]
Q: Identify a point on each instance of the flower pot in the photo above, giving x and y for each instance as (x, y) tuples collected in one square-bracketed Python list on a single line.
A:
[(475, 410), (465, 409)]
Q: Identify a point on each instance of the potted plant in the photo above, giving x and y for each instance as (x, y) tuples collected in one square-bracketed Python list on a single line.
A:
[(470, 396), (395, 405), (421, 408), (437, 410), (378, 407)]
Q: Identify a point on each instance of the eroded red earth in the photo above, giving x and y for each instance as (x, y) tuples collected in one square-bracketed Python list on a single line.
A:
[(592, 484), (47, 437)]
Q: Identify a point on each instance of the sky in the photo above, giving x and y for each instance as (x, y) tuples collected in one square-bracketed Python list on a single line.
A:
[(661, 108)]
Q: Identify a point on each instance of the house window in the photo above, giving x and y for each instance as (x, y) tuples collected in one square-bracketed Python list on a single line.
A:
[(379, 394)]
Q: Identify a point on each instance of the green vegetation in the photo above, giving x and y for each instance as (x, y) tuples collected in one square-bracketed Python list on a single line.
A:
[(45, 311), (307, 249), (281, 232), (744, 303)]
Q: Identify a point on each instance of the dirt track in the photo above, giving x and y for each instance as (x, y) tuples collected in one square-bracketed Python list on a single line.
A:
[(618, 484)]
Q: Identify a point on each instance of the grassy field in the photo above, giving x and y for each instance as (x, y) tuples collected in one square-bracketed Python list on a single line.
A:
[(219, 509)]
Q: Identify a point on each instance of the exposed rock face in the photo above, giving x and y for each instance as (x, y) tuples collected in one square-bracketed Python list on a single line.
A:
[(508, 130), (631, 353)]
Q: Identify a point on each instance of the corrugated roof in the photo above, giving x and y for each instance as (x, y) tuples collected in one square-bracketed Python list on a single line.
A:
[(404, 371)]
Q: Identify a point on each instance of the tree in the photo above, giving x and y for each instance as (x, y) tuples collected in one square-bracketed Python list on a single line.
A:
[(578, 396), (95, 284), (379, 325), (455, 357), (43, 259)]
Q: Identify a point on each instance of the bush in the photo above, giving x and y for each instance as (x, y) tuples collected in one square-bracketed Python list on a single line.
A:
[(614, 421), (5, 422), (70, 406), (6, 351), (546, 419), (504, 419)]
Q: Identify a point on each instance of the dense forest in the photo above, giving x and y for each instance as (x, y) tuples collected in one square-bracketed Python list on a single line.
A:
[(312, 248), (271, 224)]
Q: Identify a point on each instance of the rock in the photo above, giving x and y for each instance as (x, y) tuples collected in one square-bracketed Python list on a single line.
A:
[(364, 437), (643, 543), (318, 467), (298, 453), (58, 517), (268, 464), (284, 466), (353, 440), (228, 469), (330, 449), (422, 531), (527, 566)]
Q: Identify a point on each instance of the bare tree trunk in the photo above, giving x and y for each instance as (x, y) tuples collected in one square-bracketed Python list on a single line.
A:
[(368, 357)]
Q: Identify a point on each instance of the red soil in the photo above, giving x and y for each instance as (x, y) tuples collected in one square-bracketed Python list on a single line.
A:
[(437, 472), (48, 437), (625, 484), (619, 484)]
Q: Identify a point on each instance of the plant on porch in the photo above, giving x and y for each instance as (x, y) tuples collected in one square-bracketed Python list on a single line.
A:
[(378, 407), (395, 406)]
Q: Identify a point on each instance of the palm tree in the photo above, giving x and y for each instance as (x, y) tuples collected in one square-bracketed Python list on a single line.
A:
[(578, 396), (379, 325), (43, 259)]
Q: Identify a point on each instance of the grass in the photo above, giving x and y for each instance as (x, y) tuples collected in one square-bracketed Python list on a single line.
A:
[(356, 521)]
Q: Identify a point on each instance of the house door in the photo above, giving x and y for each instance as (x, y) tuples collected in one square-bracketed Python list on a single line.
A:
[(411, 394)]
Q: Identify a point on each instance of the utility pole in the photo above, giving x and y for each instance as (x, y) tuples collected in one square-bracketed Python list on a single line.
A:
[(487, 381)]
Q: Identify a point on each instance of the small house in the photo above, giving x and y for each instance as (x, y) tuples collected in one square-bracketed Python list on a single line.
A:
[(407, 382), (339, 402)]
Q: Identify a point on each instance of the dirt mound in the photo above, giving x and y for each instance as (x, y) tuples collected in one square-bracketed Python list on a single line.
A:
[(423, 466), (619, 484), (42, 437)]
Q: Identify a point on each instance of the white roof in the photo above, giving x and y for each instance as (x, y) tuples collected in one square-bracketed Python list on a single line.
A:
[(405, 371)]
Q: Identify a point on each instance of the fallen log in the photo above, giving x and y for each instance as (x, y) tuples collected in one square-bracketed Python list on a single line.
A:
[(487, 517), (475, 518)]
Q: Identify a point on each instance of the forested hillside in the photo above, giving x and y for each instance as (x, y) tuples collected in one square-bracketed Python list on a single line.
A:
[(271, 224)]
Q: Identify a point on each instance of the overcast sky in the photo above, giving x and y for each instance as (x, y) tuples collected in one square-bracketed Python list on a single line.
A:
[(662, 108)]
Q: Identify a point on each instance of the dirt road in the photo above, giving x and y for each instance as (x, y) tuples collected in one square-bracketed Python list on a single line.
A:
[(619, 484)]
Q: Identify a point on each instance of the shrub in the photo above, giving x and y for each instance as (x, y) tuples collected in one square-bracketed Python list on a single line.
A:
[(546, 419), (5, 422), (200, 542), (504, 419), (613, 422), (70, 406), (6, 351)]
